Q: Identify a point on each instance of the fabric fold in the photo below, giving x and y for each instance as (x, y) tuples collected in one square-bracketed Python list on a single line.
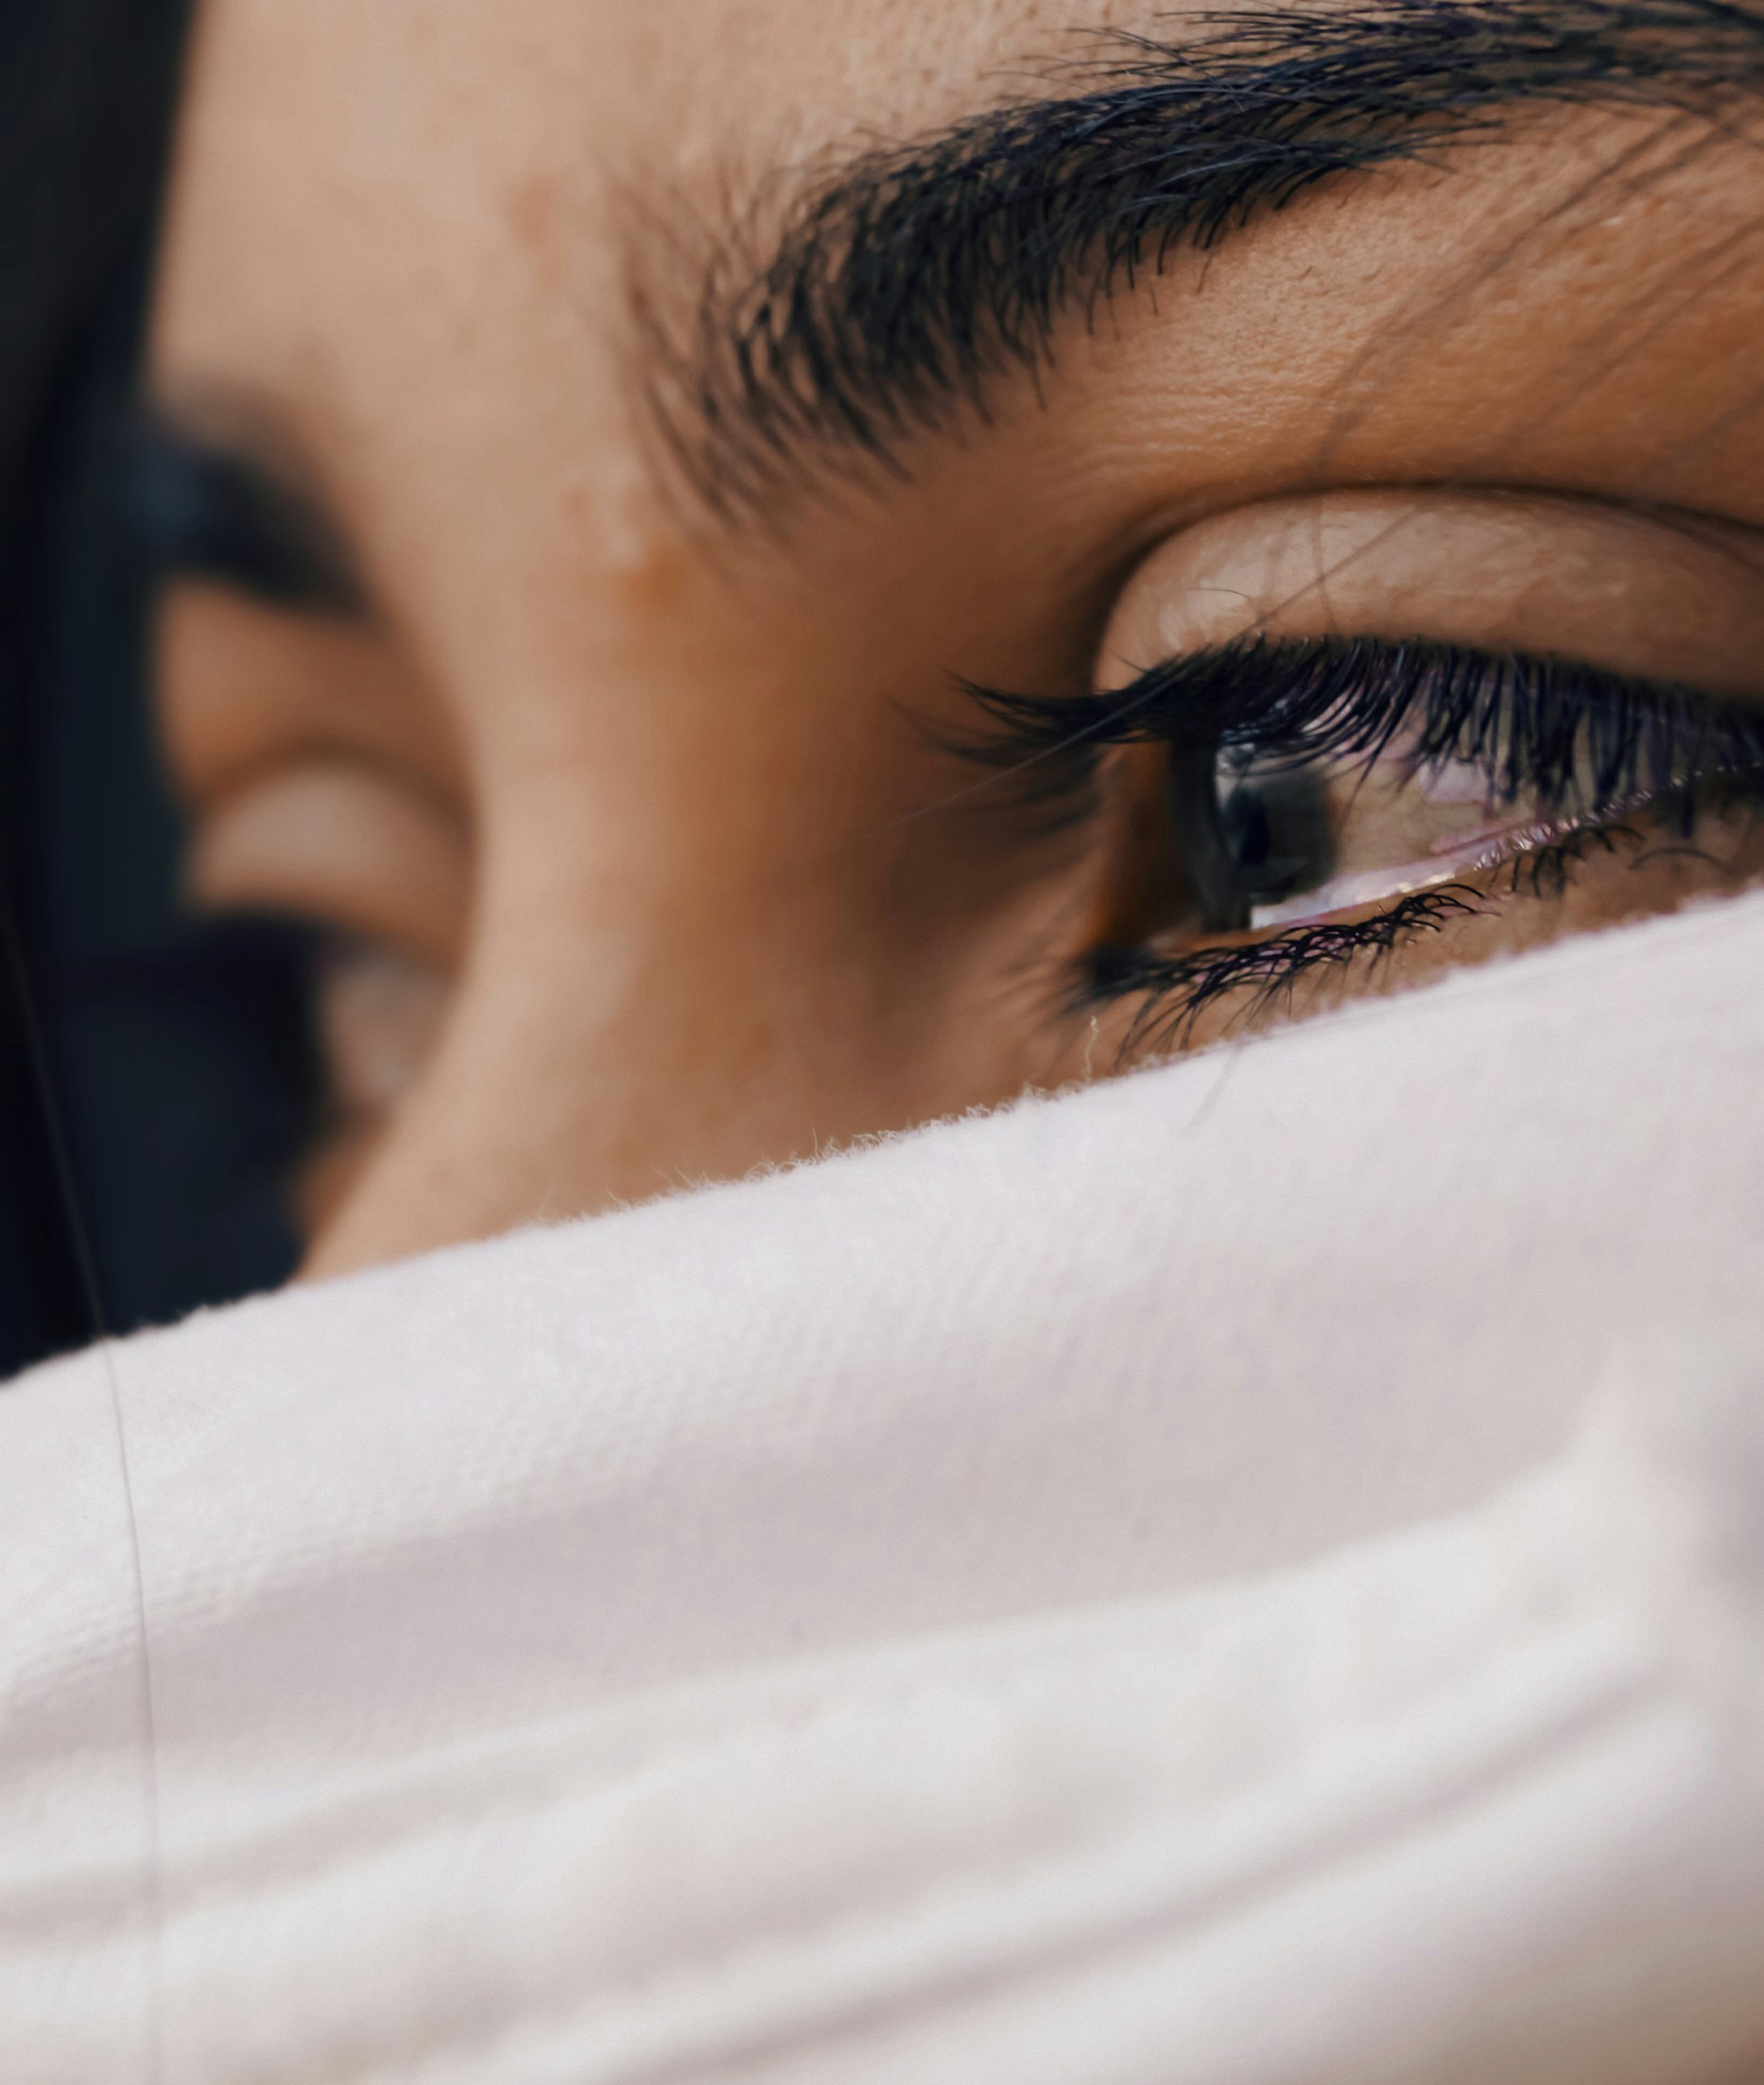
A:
[(1248, 1575)]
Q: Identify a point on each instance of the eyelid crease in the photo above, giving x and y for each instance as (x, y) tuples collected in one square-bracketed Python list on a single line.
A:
[(241, 687)]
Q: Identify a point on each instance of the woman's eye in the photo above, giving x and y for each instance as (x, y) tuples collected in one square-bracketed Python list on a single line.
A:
[(1308, 841), (1282, 809), (374, 865)]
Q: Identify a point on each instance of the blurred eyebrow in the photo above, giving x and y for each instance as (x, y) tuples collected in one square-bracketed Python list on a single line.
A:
[(884, 298), (191, 505)]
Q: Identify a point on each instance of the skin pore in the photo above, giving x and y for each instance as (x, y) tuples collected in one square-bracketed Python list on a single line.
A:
[(602, 673)]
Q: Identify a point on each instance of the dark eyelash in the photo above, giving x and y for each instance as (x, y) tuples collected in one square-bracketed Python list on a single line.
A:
[(1177, 990), (1571, 738)]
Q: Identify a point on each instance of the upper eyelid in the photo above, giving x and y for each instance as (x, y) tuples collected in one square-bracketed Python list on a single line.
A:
[(1130, 700)]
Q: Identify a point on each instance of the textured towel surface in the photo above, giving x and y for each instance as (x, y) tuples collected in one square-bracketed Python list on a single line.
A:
[(1248, 1574)]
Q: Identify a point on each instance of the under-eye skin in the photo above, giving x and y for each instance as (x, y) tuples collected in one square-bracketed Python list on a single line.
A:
[(1325, 802)]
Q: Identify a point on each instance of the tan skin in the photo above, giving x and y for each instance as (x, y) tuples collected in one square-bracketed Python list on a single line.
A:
[(657, 877)]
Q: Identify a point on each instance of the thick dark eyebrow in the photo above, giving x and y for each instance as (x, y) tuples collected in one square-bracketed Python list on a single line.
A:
[(884, 299), (193, 506)]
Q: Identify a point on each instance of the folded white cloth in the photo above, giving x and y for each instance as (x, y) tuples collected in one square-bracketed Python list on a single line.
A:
[(1253, 1574)]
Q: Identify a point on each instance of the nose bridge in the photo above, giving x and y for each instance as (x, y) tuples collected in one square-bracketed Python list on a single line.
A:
[(619, 1032), (600, 1048)]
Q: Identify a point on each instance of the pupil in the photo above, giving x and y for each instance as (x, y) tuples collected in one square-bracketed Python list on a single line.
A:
[(1249, 831), (1276, 830)]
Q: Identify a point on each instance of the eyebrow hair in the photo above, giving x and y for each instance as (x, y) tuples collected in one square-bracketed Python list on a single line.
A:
[(191, 506), (891, 292)]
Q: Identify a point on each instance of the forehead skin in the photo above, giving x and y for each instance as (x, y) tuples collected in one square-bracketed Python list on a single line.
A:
[(409, 230), (405, 232), (358, 144), (460, 185)]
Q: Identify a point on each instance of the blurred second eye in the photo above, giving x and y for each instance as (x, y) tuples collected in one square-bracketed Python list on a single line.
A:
[(379, 1013), (339, 843)]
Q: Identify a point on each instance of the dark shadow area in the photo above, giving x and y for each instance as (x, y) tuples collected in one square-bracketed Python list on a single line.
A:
[(153, 1069)]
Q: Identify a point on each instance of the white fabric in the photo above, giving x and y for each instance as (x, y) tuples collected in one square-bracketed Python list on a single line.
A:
[(1253, 1574)]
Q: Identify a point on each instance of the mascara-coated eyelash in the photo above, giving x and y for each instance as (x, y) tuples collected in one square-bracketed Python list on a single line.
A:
[(1581, 746), (1174, 991), (1575, 737)]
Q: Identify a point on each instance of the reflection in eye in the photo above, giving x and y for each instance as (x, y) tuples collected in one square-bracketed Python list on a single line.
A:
[(1306, 842), (1303, 782)]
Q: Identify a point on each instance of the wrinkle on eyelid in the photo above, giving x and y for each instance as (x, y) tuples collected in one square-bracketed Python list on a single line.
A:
[(1490, 569)]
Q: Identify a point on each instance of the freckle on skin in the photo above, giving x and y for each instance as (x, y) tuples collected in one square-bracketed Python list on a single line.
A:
[(637, 549), (530, 209), (534, 209)]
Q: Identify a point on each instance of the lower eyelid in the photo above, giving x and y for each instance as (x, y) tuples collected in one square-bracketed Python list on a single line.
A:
[(1177, 989), (1490, 850)]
